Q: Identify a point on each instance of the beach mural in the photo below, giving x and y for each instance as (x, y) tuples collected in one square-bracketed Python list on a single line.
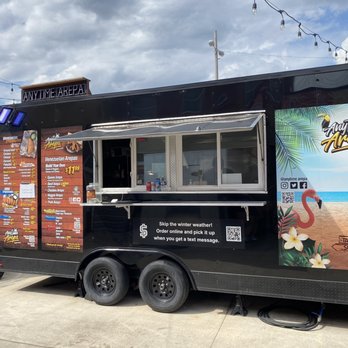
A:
[(312, 186)]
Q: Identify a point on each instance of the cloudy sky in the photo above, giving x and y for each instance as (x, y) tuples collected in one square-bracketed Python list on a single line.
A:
[(131, 44)]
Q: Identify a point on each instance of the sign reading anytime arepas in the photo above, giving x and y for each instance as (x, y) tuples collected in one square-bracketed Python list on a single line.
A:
[(55, 90)]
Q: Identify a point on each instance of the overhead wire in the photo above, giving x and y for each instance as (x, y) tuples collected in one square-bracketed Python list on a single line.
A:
[(274, 55), (4, 82), (303, 29), (13, 85), (6, 98)]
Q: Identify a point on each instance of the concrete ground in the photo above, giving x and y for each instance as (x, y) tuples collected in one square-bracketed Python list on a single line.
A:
[(39, 311)]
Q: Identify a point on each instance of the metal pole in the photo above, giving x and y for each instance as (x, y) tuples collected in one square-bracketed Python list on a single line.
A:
[(216, 54)]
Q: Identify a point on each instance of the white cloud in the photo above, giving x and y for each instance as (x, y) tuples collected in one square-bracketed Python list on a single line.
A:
[(146, 43)]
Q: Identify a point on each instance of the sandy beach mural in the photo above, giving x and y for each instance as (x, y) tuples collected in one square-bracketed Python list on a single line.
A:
[(312, 186)]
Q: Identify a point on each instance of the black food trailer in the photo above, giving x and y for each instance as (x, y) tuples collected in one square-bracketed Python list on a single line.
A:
[(236, 186)]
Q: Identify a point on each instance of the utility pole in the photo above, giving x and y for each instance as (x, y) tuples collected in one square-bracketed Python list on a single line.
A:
[(217, 54)]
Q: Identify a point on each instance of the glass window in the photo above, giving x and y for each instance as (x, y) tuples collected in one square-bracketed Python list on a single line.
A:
[(239, 158), (199, 154), (150, 156), (116, 163)]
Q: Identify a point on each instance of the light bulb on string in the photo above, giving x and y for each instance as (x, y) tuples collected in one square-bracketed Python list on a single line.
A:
[(299, 33), (329, 49), (315, 40), (336, 54), (254, 8), (282, 22), (346, 59)]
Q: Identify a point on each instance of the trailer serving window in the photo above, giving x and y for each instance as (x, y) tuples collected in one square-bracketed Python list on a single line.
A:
[(208, 153)]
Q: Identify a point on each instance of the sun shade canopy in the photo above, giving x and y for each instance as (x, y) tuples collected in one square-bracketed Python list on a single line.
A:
[(231, 122)]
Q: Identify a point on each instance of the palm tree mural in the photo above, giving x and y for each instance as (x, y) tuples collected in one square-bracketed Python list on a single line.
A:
[(296, 131)]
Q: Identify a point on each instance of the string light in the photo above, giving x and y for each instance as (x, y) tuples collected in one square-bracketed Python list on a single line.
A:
[(329, 48), (282, 22), (254, 8), (9, 83), (299, 33), (12, 86), (315, 40), (302, 29)]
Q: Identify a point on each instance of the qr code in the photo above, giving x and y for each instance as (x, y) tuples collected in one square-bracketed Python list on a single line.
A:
[(288, 197), (233, 234)]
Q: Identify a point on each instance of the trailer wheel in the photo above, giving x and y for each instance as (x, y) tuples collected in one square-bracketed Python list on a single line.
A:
[(163, 286), (106, 281), (1, 274)]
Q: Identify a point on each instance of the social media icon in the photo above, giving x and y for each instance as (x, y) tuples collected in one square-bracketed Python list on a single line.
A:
[(303, 185), (293, 185), (284, 185)]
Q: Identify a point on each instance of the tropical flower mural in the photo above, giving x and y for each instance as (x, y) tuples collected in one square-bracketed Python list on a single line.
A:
[(296, 248), (319, 262), (294, 240)]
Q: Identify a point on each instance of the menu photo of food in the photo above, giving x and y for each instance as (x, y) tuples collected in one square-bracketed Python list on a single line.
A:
[(28, 146), (73, 146), (10, 200)]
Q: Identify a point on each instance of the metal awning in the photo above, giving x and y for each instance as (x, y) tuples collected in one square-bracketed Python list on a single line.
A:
[(173, 126)]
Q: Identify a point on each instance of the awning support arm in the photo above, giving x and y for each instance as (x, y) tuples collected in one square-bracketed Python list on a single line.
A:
[(246, 208)]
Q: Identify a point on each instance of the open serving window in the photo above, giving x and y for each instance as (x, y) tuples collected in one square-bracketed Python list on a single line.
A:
[(208, 153)]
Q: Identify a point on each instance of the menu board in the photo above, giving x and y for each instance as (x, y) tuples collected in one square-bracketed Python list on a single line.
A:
[(18, 189), (62, 191)]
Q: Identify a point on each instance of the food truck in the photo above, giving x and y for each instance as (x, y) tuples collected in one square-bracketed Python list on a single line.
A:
[(234, 186)]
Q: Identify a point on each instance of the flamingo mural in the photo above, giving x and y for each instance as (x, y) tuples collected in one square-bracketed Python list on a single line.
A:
[(307, 194), (297, 248)]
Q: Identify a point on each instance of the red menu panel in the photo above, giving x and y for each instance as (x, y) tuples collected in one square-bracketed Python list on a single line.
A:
[(62, 191), (18, 189)]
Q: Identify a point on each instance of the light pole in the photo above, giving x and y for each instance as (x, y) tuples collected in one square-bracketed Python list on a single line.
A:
[(217, 53)]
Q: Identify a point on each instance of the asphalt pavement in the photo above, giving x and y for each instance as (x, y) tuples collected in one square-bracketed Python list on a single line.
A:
[(41, 311)]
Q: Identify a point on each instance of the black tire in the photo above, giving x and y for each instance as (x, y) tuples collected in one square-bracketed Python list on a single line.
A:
[(1, 274), (106, 281), (163, 286)]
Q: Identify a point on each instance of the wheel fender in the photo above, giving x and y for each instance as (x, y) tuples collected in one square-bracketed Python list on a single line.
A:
[(135, 257)]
